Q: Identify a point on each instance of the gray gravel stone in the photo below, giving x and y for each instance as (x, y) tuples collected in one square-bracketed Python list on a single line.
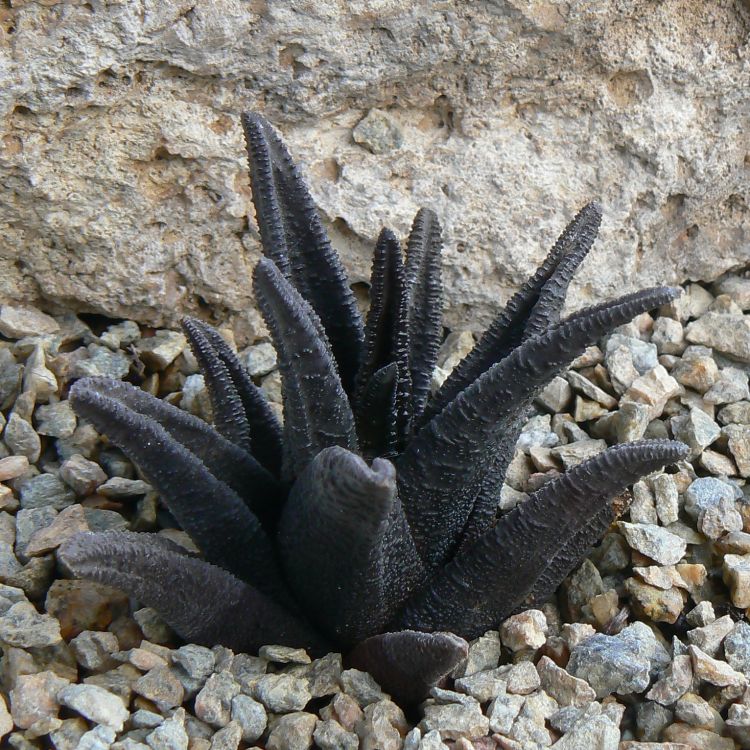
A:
[(22, 626), (193, 665), (697, 369), (213, 704), (46, 491), (696, 429), (562, 686), (730, 386), (98, 738), (644, 354), (643, 508), (668, 335), (702, 614), (162, 687), (675, 682), (68, 734), (620, 664), (96, 704), (81, 475), (37, 379), (711, 501), (738, 413), (56, 420), (259, 359), (121, 334), (728, 334), (171, 734), (361, 686), (227, 738), (525, 630), (17, 322), (714, 671), (710, 636), (330, 735), (281, 693), (737, 648), (142, 719), (21, 438), (622, 371), (666, 498), (284, 655), (590, 390), (556, 396), (738, 439), (737, 287), (693, 710), (736, 574), (652, 719), (161, 349), (28, 522), (654, 542), (503, 711), (292, 732), (484, 654), (323, 676), (101, 362), (573, 454), (120, 487), (249, 715), (454, 720), (93, 649), (597, 733), (33, 698)]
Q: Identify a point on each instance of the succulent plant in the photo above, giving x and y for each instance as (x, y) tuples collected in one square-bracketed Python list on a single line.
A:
[(368, 521)]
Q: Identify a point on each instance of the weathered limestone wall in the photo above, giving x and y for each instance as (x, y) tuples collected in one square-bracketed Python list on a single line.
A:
[(124, 190)]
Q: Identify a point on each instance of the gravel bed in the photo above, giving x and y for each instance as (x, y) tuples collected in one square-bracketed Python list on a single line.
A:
[(646, 645)]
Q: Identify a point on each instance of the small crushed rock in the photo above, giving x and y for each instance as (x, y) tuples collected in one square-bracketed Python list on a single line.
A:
[(646, 646)]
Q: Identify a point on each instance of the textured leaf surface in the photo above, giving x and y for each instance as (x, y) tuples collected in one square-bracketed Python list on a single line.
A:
[(294, 238), (238, 469), (345, 544), (442, 471), (317, 413), (216, 518), (530, 310), (263, 426), (488, 581), (201, 602), (425, 290)]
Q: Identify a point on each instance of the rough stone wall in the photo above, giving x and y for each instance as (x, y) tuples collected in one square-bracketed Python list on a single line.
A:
[(124, 190)]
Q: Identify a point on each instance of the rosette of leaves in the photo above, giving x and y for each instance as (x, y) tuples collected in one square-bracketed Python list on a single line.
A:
[(368, 521)]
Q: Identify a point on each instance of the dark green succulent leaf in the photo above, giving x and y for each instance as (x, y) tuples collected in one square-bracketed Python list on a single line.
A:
[(294, 238), (489, 580), (387, 331), (376, 414), (216, 518), (199, 601), (425, 290), (230, 419), (408, 663), (265, 433), (317, 413), (350, 510), (238, 469), (441, 472), (530, 310)]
